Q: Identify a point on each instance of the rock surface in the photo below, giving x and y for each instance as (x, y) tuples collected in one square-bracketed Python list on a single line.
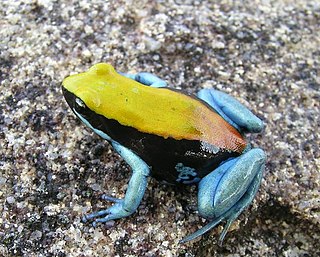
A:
[(53, 170)]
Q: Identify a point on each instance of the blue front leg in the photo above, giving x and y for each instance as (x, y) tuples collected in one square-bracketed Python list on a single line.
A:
[(146, 78), (135, 191), (227, 191), (138, 182)]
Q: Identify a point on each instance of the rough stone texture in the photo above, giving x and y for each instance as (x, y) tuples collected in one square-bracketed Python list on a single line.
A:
[(265, 53)]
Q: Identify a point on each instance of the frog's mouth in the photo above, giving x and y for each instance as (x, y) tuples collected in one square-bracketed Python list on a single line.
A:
[(87, 116), (70, 98)]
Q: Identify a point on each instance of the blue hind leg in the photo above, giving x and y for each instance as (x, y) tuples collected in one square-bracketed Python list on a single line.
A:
[(231, 110), (228, 190)]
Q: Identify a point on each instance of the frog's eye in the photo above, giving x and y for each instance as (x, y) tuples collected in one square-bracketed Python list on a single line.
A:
[(80, 103)]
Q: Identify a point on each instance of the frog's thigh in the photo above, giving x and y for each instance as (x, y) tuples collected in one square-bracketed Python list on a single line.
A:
[(220, 192), (146, 78), (228, 190), (231, 110), (235, 190)]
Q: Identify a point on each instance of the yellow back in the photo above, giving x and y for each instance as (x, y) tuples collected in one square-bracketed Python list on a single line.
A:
[(158, 111)]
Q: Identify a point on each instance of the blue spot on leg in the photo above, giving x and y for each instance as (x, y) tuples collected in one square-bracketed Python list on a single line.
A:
[(187, 175)]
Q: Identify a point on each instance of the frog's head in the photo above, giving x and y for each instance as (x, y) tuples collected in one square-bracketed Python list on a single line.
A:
[(84, 91)]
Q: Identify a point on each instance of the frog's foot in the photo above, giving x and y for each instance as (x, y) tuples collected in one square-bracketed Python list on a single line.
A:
[(231, 110), (146, 78), (107, 211), (135, 191), (117, 211), (228, 190)]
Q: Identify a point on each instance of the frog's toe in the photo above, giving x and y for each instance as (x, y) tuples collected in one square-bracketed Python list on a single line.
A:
[(93, 215), (202, 230), (111, 199), (116, 211), (102, 220)]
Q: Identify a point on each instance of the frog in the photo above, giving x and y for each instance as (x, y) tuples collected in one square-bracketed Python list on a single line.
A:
[(176, 137)]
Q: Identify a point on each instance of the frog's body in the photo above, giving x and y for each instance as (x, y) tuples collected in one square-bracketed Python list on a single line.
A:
[(182, 138)]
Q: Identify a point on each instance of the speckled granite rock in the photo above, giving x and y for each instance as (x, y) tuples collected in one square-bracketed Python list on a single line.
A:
[(265, 53)]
